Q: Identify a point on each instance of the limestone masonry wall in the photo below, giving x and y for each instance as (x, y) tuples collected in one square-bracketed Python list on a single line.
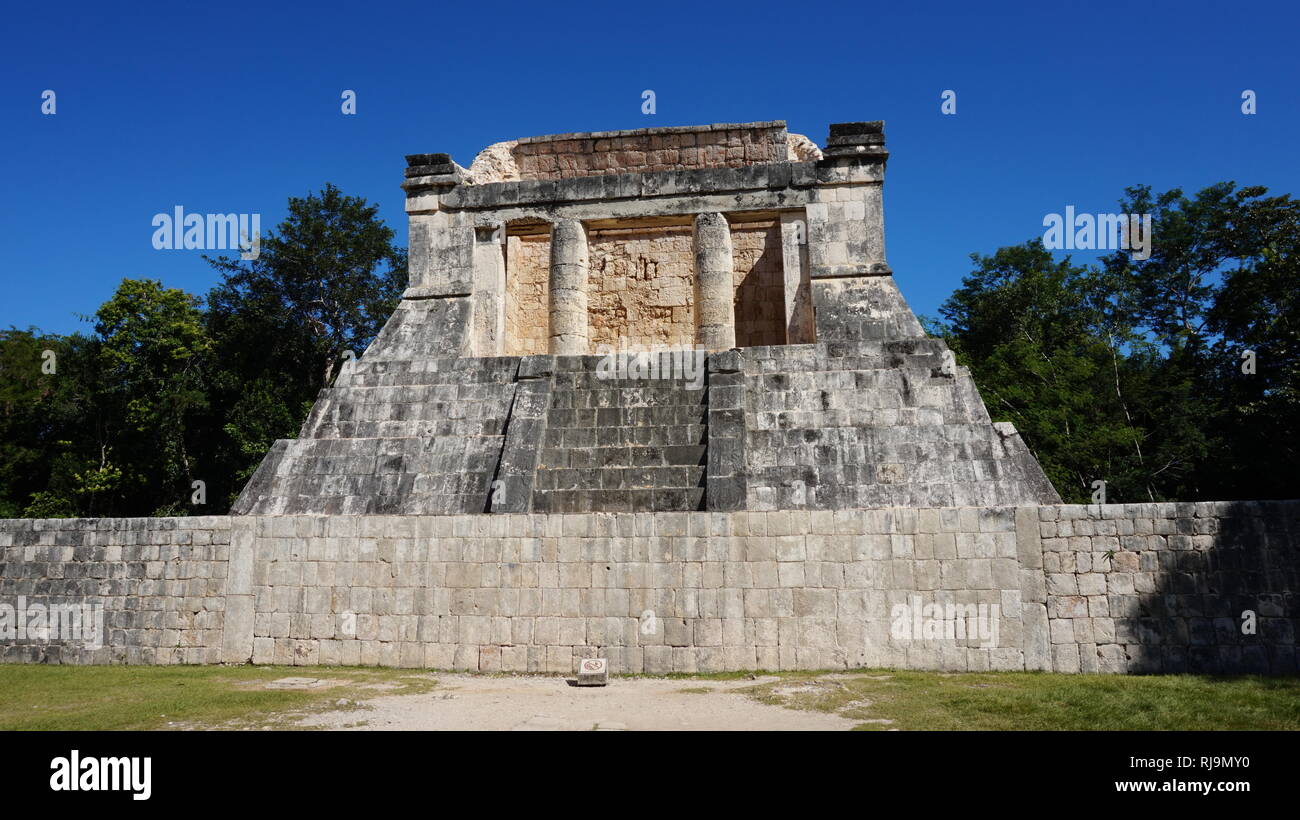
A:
[(639, 287), (528, 265), (1115, 588), (161, 583), (655, 592), (667, 149), (1163, 587)]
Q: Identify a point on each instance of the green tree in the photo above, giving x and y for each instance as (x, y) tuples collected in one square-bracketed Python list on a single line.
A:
[(51, 426), (165, 393), (1220, 280), (155, 353), (27, 390), (1253, 368), (1023, 323), (324, 283), (1130, 371)]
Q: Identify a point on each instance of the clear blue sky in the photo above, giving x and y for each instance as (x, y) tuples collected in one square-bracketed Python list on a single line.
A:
[(234, 107)]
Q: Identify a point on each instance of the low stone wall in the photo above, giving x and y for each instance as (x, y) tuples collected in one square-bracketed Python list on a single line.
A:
[(1206, 587), (1116, 588), (154, 589), (653, 592)]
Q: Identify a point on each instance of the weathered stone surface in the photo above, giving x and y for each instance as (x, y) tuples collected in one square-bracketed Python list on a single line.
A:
[(715, 316), (568, 289), (663, 592), (133, 590), (1124, 585)]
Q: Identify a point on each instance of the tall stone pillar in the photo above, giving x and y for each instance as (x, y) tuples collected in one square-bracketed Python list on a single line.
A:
[(715, 327), (873, 206), (799, 327), (487, 337), (568, 289)]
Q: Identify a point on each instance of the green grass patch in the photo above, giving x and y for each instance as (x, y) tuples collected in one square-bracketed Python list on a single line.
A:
[(39, 697), (888, 699)]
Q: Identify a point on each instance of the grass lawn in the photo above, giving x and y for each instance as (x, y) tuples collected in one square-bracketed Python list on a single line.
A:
[(181, 697), (188, 697), (1035, 701)]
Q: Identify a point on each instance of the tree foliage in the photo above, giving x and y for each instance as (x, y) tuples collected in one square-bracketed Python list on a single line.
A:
[(169, 389), (323, 284), (1132, 371)]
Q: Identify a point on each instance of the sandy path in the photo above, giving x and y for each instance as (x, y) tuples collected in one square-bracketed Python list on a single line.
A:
[(535, 703)]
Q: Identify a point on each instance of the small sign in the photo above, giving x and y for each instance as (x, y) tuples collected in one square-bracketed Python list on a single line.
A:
[(593, 672)]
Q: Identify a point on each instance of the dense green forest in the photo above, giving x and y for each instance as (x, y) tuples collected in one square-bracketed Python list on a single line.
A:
[(1171, 378)]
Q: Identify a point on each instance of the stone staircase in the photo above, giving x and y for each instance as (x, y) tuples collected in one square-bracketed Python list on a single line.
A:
[(833, 425), (618, 445)]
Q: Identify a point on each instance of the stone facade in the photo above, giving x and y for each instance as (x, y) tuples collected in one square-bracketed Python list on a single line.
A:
[(640, 287), (1118, 588), (648, 150), (655, 593), (821, 390), (1163, 587), (161, 584)]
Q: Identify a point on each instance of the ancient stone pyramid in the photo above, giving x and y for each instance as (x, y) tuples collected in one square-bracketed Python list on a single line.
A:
[(694, 318)]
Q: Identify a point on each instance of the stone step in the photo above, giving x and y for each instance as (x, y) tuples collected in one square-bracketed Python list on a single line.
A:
[(641, 396), (585, 438), (602, 417), (424, 430), (660, 500), (618, 478), (675, 380), (623, 457), (621, 445), (467, 393)]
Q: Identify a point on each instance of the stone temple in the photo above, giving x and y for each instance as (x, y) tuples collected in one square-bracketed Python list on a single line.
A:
[(653, 396), (497, 384)]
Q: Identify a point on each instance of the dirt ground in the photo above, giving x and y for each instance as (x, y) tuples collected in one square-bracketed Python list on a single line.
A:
[(535, 703)]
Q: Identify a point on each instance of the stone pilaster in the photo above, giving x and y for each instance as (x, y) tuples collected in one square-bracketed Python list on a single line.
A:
[(568, 289), (715, 326), (240, 607), (799, 327), (440, 256), (487, 336), (1036, 639), (846, 222), (434, 316)]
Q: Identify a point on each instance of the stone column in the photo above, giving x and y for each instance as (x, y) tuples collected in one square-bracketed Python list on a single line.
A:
[(568, 289), (715, 327)]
